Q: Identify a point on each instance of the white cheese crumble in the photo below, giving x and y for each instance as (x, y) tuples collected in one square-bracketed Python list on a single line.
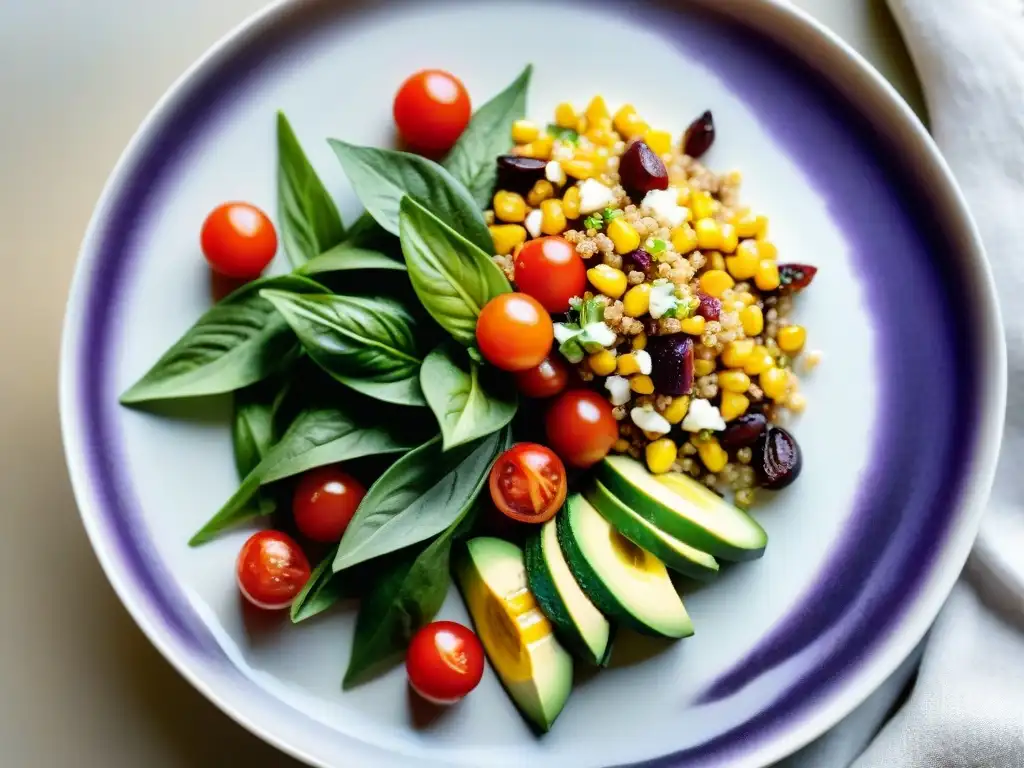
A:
[(618, 388), (594, 196), (564, 332), (663, 299), (650, 421), (532, 223), (554, 172), (599, 333), (664, 204), (643, 360), (703, 415)]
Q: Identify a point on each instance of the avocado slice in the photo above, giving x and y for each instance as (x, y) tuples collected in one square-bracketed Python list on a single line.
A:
[(581, 626), (684, 509), (675, 554), (534, 668), (625, 582)]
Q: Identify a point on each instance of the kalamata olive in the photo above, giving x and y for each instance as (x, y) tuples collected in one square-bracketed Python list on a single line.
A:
[(777, 459), (671, 363), (710, 308), (639, 259), (699, 136), (519, 174), (793, 278), (743, 432), (641, 170)]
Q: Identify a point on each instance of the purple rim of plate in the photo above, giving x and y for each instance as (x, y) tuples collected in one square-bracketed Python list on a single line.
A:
[(914, 485)]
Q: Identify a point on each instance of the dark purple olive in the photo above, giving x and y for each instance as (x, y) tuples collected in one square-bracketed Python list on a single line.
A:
[(699, 136), (671, 363), (519, 174), (710, 308), (641, 170), (777, 459), (639, 259), (743, 432)]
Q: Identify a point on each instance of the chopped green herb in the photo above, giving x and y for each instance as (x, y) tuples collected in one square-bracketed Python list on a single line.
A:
[(705, 435), (594, 221), (612, 213), (563, 134), (657, 245)]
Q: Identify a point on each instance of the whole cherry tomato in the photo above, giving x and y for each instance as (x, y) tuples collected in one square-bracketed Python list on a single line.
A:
[(271, 570), (550, 270), (546, 380), (324, 501), (445, 662), (238, 240), (580, 427), (432, 110), (514, 332), (528, 483)]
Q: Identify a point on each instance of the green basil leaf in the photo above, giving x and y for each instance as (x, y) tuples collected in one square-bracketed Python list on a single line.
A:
[(326, 588), (382, 177), (452, 277), (252, 429), (345, 257), (468, 400), (307, 217), (419, 496), (368, 344), (473, 158)]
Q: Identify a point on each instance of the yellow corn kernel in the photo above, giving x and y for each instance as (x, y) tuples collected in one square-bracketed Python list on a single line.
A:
[(746, 224), (693, 325), (524, 131), (709, 234), (621, 445), (628, 123), (542, 190), (627, 365), (796, 402), (713, 455), (641, 384), (702, 204), (582, 124), (506, 237), (578, 169), (715, 282), (703, 367), (608, 280), (597, 110), (752, 320), (767, 249), (684, 239), (637, 300), (552, 217), (734, 381), (601, 137), (791, 338), (760, 227), (682, 195), (746, 299), (571, 202), (565, 115), (743, 265), (660, 455), (715, 260), (760, 360), (736, 353), (730, 240), (733, 306), (509, 206), (677, 409), (602, 363), (767, 276), (733, 405), (540, 148), (775, 383), (659, 141), (639, 341), (623, 235)]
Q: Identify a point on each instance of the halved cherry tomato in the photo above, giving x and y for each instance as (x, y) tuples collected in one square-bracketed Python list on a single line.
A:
[(432, 110), (238, 240), (550, 270), (546, 380), (445, 662), (271, 570), (581, 427), (324, 501), (514, 332), (528, 483)]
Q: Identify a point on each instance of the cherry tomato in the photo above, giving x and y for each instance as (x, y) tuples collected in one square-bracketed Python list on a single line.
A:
[(431, 110), (528, 483), (445, 662), (271, 570), (550, 270), (546, 380), (514, 332), (580, 427), (238, 240), (324, 501)]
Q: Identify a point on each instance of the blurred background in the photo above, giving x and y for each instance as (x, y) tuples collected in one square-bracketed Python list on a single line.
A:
[(80, 683)]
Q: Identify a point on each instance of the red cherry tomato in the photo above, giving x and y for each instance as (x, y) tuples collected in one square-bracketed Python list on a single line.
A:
[(238, 240), (528, 483), (580, 427), (514, 332), (271, 570), (546, 380), (445, 662), (324, 501), (550, 270), (431, 110)]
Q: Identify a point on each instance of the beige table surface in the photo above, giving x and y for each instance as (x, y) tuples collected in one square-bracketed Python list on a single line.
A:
[(79, 683)]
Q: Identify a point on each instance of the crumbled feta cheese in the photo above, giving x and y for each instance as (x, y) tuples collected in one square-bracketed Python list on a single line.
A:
[(703, 415), (664, 204), (594, 196), (564, 332), (533, 219), (663, 299), (650, 421), (643, 359), (554, 173), (599, 333), (618, 388)]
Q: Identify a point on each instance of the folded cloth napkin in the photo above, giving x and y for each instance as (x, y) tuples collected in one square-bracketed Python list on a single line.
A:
[(966, 708)]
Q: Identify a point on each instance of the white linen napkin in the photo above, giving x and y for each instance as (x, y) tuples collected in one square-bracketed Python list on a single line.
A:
[(966, 709)]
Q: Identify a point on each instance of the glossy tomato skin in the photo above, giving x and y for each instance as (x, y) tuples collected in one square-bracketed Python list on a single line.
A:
[(550, 270), (581, 427), (238, 240), (445, 662), (271, 570), (528, 483), (545, 380), (324, 501), (514, 332), (431, 110)]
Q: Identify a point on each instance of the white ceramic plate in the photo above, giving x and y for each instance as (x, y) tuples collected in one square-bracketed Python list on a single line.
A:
[(899, 439)]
